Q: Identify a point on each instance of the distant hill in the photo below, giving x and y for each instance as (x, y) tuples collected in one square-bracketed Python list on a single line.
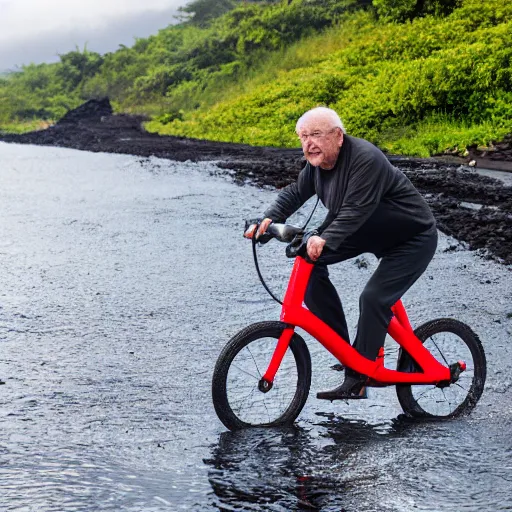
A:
[(414, 77)]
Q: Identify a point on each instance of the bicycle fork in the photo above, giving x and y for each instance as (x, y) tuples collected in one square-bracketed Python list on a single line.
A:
[(266, 382)]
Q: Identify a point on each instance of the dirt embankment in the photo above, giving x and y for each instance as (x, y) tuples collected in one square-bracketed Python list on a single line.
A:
[(477, 210)]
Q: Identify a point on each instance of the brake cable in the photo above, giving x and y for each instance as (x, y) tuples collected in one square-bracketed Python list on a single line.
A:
[(254, 243)]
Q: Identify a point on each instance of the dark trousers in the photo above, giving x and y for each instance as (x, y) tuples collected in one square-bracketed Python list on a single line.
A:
[(398, 269)]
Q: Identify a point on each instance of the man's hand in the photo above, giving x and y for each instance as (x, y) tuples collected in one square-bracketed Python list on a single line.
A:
[(265, 223), (315, 247)]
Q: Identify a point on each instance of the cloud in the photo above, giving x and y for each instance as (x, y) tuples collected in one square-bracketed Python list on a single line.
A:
[(19, 17), (35, 31)]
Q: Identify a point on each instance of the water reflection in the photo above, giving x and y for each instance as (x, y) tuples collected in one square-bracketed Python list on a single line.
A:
[(299, 468)]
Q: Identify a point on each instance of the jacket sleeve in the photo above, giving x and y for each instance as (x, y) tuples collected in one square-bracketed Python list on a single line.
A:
[(367, 184), (292, 197)]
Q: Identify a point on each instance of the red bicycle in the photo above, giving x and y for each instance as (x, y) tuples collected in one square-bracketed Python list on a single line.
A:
[(263, 374)]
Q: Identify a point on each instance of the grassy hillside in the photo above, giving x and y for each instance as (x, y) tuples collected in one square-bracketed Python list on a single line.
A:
[(413, 81), (420, 87)]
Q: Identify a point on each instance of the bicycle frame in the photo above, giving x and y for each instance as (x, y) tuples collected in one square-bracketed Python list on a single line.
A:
[(295, 314)]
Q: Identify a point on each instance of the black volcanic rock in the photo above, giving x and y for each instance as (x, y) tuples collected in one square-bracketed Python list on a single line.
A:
[(91, 111)]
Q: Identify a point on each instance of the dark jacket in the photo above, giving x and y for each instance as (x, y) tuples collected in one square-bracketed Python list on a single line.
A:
[(372, 205)]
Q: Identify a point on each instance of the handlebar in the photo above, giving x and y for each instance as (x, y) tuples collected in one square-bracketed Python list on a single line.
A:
[(284, 232), (292, 235)]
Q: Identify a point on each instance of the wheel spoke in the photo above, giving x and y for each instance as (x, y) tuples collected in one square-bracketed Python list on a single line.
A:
[(243, 400), (448, 400), (266, 409), (246, 372), (255, 363), (424, 393), (461, 387), (440, 353)]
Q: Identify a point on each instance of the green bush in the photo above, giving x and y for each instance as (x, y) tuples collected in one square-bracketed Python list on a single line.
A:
[(403, 10), (381, 78)]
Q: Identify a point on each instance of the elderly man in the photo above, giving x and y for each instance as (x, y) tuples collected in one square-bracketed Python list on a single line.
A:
[(373, 208)]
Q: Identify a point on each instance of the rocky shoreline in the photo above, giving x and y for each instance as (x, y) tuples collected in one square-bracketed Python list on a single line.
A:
[(475, 209)]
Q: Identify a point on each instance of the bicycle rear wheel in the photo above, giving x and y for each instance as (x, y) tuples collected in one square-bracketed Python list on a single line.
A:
[(449, 341), (237, 398)]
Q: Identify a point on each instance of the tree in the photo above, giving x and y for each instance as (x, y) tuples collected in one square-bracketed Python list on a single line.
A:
[(201, 12), (76, 66)]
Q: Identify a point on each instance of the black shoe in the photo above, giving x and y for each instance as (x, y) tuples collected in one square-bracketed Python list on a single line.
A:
[(352, 388)]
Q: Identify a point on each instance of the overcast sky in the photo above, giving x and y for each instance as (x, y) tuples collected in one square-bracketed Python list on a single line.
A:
[(38, 30)]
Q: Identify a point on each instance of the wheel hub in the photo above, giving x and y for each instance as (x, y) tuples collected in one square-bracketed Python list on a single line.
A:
[(264, 385), (455, 370)]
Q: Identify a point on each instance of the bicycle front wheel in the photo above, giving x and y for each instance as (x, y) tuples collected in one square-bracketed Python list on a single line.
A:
[(237, 397), (449, 341)]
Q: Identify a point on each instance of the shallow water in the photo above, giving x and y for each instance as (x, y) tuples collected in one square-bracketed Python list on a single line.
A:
[(121, 280)]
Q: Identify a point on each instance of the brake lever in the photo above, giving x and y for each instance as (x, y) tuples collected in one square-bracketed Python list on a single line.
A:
[(251, 222), (262, 239)]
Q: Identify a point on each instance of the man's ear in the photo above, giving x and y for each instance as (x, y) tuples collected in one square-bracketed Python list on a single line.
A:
[(340, 138)]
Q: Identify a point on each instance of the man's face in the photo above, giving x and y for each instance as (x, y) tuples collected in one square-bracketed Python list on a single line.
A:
[(320, 142)]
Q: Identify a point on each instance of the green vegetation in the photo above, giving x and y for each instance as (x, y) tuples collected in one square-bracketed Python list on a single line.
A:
[(46, 91), (24, 126), (403, 10), (416, 77)]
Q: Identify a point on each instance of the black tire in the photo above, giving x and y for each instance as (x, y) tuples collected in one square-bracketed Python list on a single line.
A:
[(257, 341), (461, 343)]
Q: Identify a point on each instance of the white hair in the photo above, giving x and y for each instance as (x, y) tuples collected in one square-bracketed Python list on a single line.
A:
[(323, 112)]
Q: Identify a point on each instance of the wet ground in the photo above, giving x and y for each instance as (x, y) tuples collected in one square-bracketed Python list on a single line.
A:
[(474, 208), (122, 278)]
